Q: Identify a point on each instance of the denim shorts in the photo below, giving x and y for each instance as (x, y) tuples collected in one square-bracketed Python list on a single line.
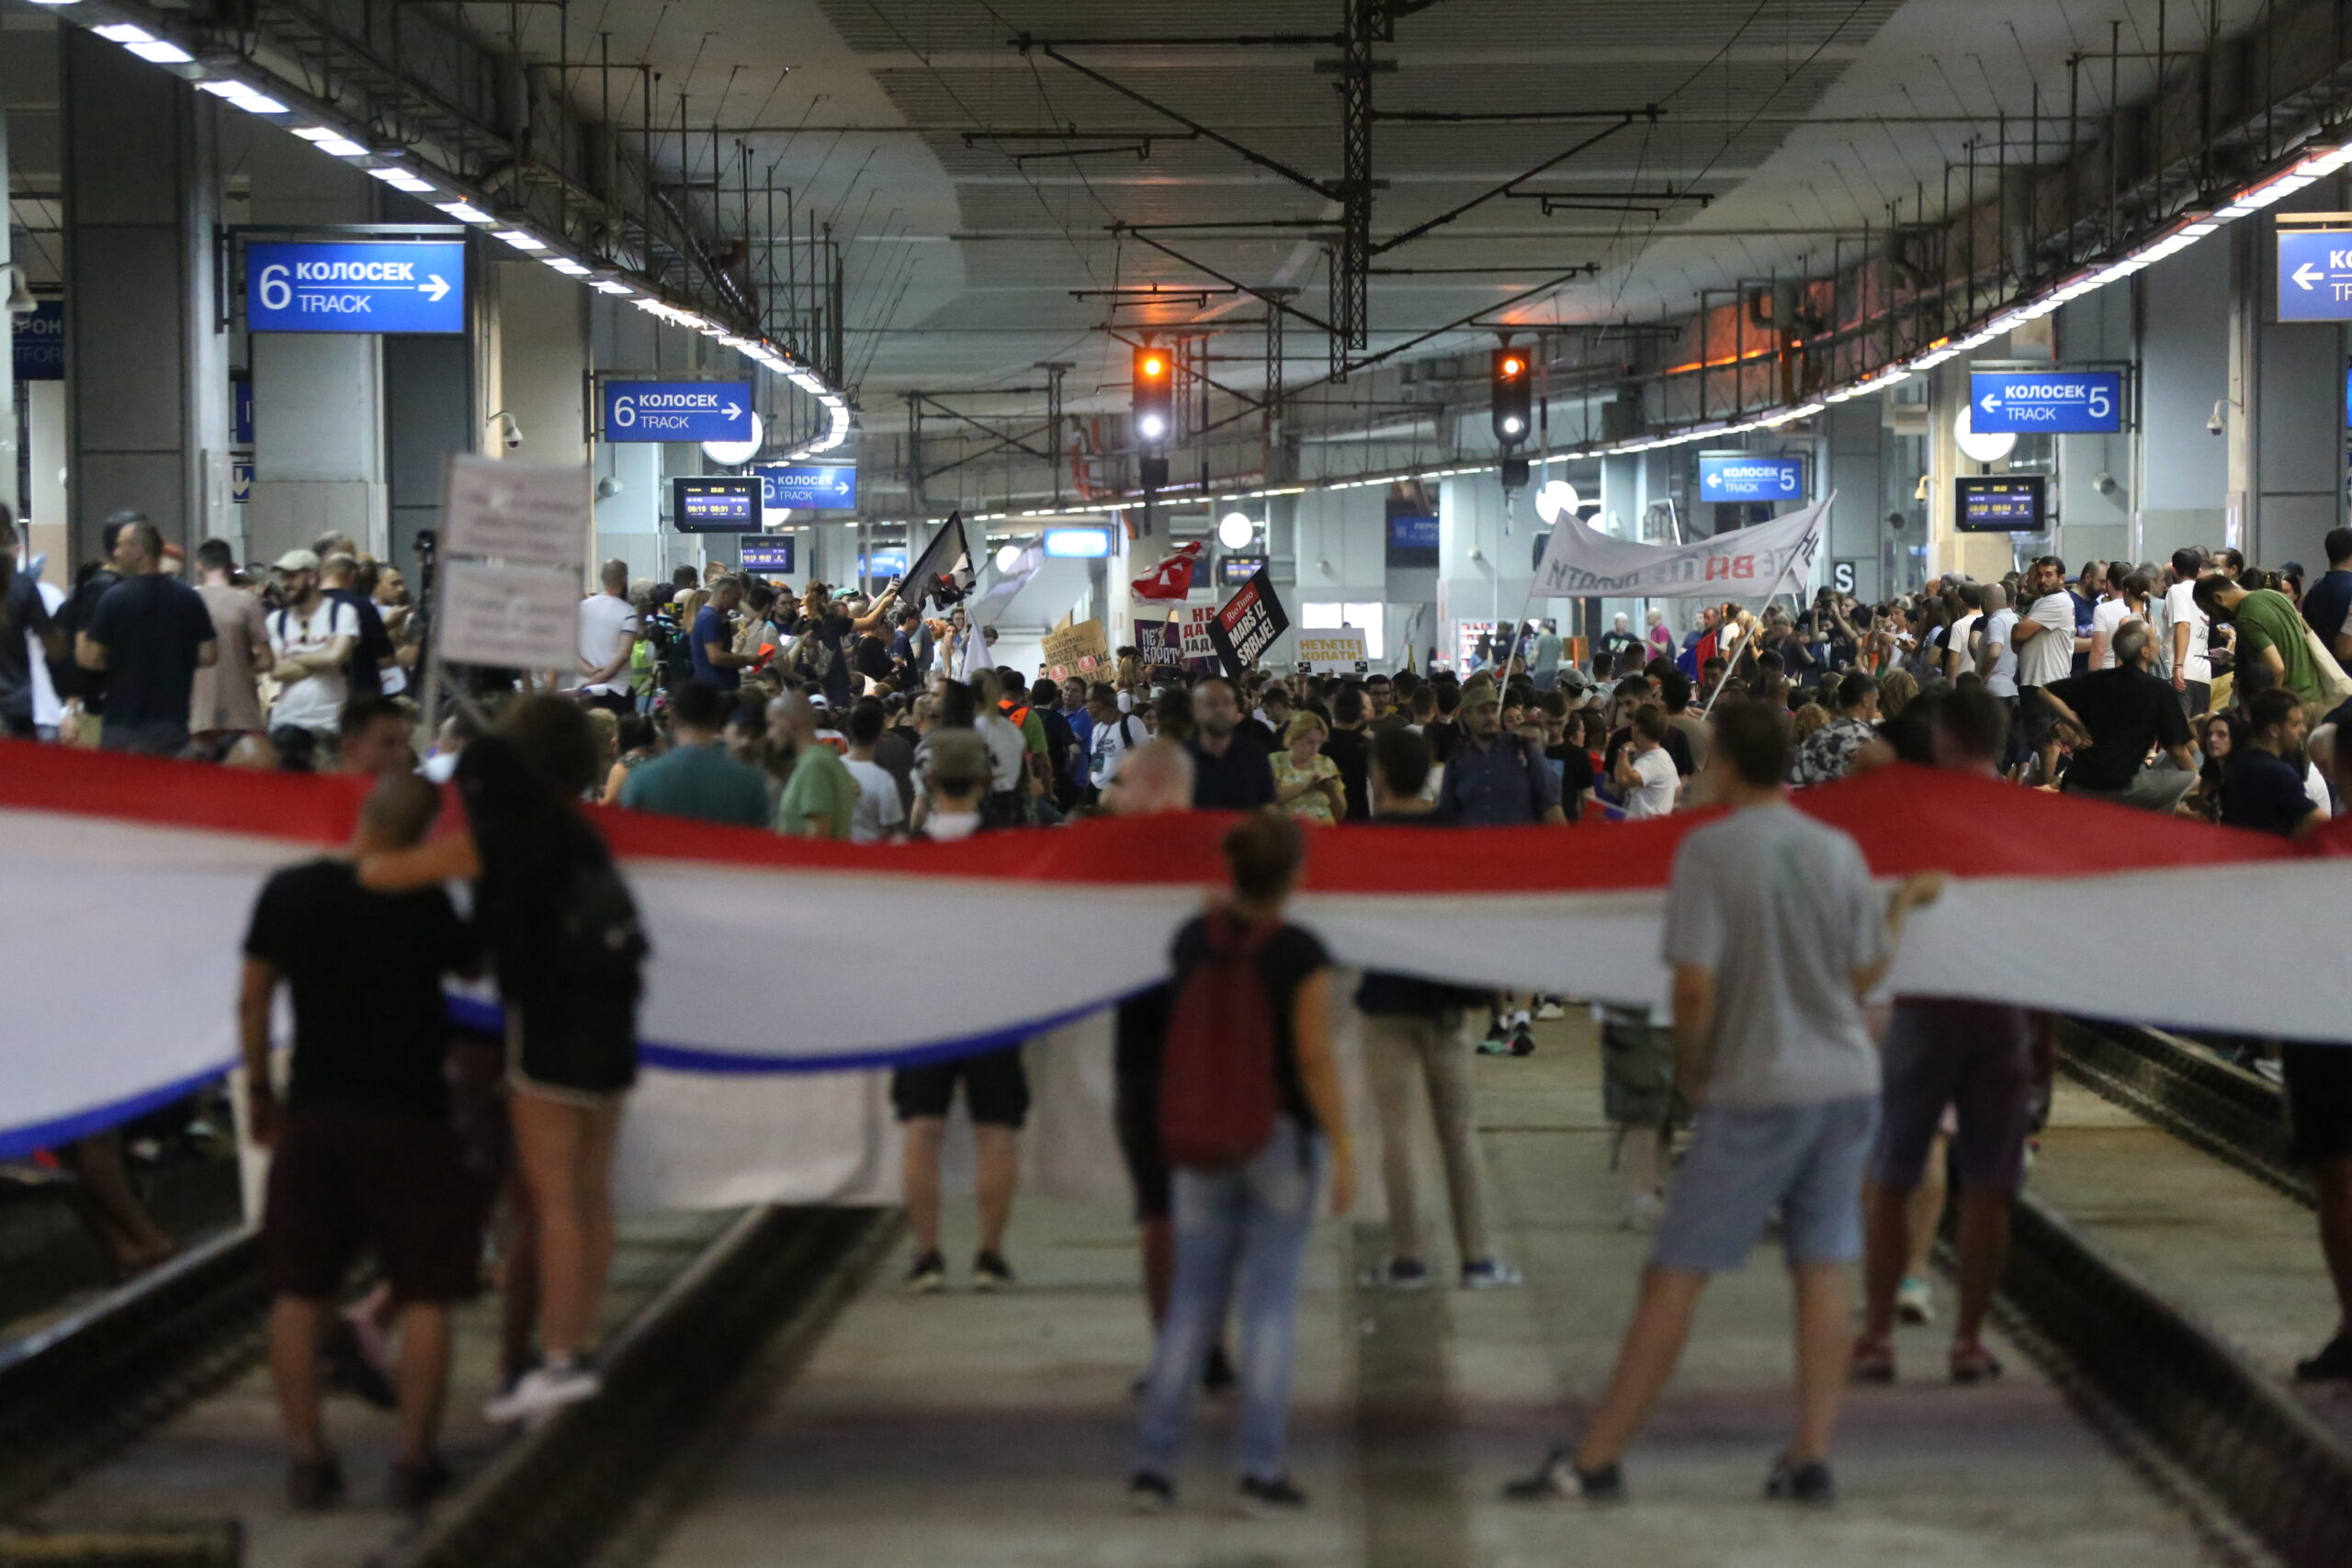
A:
[(1748, 1161)]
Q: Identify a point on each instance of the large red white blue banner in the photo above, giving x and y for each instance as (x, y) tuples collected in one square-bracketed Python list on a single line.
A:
[(129, 882)]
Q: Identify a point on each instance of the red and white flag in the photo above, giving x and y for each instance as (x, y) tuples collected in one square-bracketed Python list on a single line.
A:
[(1172, 578), (164, 859)]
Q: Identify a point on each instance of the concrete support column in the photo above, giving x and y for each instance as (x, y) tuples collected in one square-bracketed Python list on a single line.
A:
[(1853, 465), (2183, 479), (2287, 431), (319, 437), (2094, 518), (147, 364), (543, 361), (1984, 557), (628, 474)]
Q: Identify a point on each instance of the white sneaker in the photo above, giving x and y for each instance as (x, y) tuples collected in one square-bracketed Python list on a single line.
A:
[(543, 1391), (1642, 1210), (1912, 1302), (1550, 1011)]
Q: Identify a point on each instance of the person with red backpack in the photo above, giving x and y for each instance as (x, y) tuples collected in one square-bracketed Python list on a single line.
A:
[(1251, 1120)]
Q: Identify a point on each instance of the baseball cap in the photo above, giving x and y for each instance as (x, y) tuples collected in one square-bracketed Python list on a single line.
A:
[(298, 560), (1478, 690)]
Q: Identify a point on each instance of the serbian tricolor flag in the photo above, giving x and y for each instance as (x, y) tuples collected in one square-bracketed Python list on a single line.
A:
[(1172, 578), (131, 882)]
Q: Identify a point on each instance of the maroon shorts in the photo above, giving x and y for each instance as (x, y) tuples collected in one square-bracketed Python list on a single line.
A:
[(390, 1181)]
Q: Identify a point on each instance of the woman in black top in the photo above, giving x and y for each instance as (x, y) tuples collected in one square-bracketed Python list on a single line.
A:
[(564, 937)]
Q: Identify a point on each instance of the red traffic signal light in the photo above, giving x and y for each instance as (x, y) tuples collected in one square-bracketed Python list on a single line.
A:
[(1155, 400), (1511, 397)]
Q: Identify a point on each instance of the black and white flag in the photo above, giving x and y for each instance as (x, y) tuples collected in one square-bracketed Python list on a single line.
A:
[(944, 573)]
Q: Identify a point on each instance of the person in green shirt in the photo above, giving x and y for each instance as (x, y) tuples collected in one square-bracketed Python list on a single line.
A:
[(2271, 634), (820, 796), (696, 777)]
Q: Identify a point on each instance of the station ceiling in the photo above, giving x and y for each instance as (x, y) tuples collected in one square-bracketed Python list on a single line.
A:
[(967, 245)]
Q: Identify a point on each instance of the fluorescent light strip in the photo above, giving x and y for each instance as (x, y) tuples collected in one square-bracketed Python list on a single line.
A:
[(521, 241), (158, 53), (465, 211)]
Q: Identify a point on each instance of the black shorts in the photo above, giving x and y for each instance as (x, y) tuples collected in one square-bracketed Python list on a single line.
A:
[(996, 1089), (391, 1182), (577, 1045), (2319, 1100)]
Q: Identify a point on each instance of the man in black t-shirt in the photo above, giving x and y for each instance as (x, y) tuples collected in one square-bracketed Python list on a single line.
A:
[(364, 670), (1229, 771), (363, 1148), (2124, 711), (150, 635), (1347, 748)]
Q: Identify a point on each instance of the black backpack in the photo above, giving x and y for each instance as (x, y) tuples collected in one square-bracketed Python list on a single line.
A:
[(597, 941)]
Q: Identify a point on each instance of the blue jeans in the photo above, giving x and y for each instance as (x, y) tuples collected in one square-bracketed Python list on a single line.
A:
[(1240, 1238)]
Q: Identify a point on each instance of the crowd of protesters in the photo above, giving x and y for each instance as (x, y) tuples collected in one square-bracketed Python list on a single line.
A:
[(2205, 687)]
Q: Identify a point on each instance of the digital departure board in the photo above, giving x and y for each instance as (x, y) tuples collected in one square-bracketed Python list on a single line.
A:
[(716, 505), (2000, 504)]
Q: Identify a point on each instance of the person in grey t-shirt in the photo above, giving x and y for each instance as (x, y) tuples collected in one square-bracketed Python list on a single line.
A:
[(1775, 936)]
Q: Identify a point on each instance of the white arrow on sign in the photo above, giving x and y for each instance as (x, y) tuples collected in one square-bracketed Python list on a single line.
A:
[(733, 410), (2307, 274), (1989, 402), (1714, 482), (436, 288), (840, 487)]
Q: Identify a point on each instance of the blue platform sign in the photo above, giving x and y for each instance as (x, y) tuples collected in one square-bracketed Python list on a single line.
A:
[(677, 411), (2315, 275), (2045, 402), (39, 341), (1740, 478), (240, 481), (240, 412), (810, 488), (373, 286)]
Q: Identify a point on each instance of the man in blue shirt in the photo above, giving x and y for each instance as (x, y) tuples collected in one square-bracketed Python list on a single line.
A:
[(712, 640), (1496, 780), (2328, 605)]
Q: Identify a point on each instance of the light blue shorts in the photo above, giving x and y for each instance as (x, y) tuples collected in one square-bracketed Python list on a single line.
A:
[(1806, 1161)]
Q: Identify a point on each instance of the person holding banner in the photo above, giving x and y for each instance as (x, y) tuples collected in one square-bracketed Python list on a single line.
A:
[(569, 954)]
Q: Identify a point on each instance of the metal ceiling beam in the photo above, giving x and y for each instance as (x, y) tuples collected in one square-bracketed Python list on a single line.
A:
[(1025, 43)]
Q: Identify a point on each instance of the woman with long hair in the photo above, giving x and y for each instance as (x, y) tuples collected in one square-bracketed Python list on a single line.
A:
[(564, 936)]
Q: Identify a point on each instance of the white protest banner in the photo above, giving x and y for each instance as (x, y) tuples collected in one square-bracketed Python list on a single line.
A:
[(518, 511), (1332, 651), (1168, 633), (521, 617), (1746, 563), (987, 606)]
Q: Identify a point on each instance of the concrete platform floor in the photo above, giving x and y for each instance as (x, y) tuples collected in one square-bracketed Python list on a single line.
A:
[(223, 1457), (993, 1431), (2232, 1252)]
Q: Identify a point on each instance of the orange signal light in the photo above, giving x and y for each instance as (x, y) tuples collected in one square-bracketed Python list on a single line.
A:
[(1513, 365), (1154, 365)]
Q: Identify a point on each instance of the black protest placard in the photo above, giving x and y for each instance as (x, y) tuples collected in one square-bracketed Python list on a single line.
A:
[(1248, 625)]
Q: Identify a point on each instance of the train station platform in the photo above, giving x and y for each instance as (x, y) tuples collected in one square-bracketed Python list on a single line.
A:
[(989, 1430)]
